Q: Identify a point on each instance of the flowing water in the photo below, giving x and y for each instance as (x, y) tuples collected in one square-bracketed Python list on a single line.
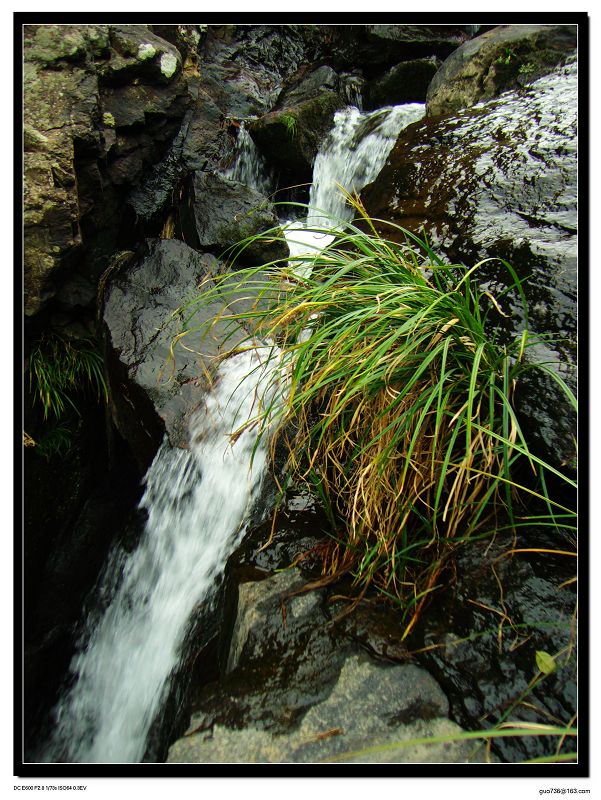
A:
[(198, 500), (249, 165), (352, 155)]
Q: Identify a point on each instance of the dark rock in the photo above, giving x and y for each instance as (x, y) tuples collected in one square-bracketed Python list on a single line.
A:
[(307, 85), (138, 54), (86, 145), (185, 38), (296, 537), (155, 389), (217, 213), (494, 182), (406, 82), (243, 67), (481, 637), (498, 60), (132, 104), (206, 143), (425, 35), (290, 137), (374, 48), (290, 695), (75, 506)]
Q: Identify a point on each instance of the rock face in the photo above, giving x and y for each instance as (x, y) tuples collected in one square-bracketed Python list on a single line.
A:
[(499, 180), (217, 213), (300, 698), (152, 392), (101, 101), (498, 60)]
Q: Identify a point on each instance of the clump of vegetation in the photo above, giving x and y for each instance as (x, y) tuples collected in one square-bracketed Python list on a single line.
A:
[(290, 123), (61, 370), (398, 410)]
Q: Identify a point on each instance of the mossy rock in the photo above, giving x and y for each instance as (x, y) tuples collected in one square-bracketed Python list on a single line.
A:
[(290, 137), (499, 60), (406, 82)]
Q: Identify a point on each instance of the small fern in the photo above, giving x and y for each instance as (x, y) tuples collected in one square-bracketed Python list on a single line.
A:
[(60, 368)]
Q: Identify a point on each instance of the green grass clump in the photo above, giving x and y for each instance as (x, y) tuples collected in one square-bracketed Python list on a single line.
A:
[(62, 368), (400, 403), (290, 123)]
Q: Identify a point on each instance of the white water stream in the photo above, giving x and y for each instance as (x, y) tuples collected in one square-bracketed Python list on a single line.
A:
[(249, 165), (198, 502)]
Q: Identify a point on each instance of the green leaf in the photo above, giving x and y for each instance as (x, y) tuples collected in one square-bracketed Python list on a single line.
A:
[(545, 662)]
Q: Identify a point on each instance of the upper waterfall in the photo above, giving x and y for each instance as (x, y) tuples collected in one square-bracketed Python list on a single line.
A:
[(352, 155)]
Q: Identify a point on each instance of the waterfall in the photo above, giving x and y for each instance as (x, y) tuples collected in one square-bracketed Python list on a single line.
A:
[(198, 500), (249, 166), (352, 155)]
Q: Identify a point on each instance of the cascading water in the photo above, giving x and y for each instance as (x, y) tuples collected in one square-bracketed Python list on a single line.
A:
[(249, 166), (352, 155), (198, 500)]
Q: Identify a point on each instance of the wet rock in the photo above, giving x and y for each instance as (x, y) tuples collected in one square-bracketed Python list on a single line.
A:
[(292, 695), (499, 180), (217, 213), (296, 537), (482, 635), (243, 66), (153, 392), (498, 60), (290, 135), (282, 656), (102, 103), (406, 82)]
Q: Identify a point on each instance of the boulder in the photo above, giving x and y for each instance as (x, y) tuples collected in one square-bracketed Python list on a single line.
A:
[(498, 60), (151, 391), (217, 213), (290, 135), (291, 695), (494, 181), (406, 82)]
